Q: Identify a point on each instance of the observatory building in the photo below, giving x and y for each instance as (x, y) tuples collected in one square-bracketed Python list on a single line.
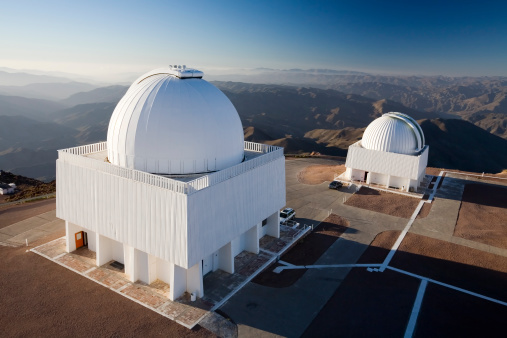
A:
[(391, 153), (175, 192)]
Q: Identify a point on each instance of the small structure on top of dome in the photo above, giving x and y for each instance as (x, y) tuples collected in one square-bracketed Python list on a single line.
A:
[(392, 153)]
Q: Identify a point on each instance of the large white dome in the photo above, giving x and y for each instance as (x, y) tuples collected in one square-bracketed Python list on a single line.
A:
[(171, 121), (395, 133)]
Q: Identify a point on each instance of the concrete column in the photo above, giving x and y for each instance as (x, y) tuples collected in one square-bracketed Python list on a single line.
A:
[(273, 225), (70, 232), (152, 268), (194, 280), (252, 240), (103, 253), (226, 259), (178, 284), (130, 263), (388, 181)]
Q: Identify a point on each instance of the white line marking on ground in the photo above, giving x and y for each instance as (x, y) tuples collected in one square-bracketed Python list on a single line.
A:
[(401, 237), (279, 269), (415, 310), (449, 286)]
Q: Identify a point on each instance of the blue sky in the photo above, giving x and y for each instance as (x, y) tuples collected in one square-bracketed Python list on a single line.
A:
[(401, 37)]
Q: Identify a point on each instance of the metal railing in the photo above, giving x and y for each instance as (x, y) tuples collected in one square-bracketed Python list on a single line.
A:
[(75, 156)]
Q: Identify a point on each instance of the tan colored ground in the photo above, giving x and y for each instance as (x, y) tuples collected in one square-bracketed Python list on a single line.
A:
[(316, 174), (18, 212), (384, 202), (305, 252), (483, 215), (38, 302)]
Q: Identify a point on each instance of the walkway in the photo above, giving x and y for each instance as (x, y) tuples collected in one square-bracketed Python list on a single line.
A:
[(219, 286)]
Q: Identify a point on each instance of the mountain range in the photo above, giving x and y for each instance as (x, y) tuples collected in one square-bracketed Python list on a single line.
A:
[(324, 118)]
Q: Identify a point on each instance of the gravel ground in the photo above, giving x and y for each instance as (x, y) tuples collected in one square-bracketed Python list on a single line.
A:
[(18, 212), (42, 299), (483, 215), (316, 174), (305, 252), (384, 202)]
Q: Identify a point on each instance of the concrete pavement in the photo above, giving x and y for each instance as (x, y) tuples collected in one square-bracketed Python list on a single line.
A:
[(265, 311)]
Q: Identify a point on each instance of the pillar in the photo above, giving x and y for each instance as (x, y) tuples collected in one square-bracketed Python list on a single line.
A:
[(252, 240), (226, 259), (103, 254), (273, 225), (130, 263), (178, 284), (194, 280)]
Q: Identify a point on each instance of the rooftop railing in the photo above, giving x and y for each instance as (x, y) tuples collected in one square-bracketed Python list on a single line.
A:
[(75, 156)]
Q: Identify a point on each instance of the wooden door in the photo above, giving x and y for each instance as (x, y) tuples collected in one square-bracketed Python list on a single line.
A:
[(79, 239)]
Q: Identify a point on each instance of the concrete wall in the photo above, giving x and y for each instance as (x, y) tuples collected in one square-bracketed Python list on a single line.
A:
[(221, 213), (386, 163), (141, 215)]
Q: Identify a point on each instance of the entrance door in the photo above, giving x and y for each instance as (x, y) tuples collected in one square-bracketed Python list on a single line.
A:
[(79, 239)]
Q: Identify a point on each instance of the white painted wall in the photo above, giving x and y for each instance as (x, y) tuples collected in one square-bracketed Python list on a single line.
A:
[(384, 162), (220, 213), (169, 225), (143, 216)]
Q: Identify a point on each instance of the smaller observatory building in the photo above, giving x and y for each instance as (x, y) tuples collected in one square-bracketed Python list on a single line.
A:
[(392, 153), (175, 192)]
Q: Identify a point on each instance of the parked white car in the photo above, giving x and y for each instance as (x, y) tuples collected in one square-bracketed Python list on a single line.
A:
[(287, 214)]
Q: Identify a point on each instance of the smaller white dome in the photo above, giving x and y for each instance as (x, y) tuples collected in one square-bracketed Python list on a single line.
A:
[(395, 133)]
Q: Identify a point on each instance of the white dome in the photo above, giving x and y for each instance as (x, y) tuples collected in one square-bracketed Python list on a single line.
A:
[(171, 121), (395, 133)]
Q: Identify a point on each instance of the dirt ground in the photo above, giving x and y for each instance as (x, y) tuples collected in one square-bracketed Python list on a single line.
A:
[(18, 212), (384, 202), (306, 252), (316, 174), (42, 299), (483, 215)]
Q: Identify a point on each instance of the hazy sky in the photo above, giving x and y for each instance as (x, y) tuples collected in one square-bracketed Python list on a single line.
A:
[(103, 37)]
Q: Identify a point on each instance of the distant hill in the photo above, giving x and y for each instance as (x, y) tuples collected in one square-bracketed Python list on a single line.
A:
[(26, 187), (301, 119), (31, 108), (46, 91), (457, 144), (103, 94), (482, 101), (23, 79), (281, 111)]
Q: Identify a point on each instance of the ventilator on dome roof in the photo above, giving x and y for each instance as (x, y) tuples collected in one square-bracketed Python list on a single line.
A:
[(181, 72)]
